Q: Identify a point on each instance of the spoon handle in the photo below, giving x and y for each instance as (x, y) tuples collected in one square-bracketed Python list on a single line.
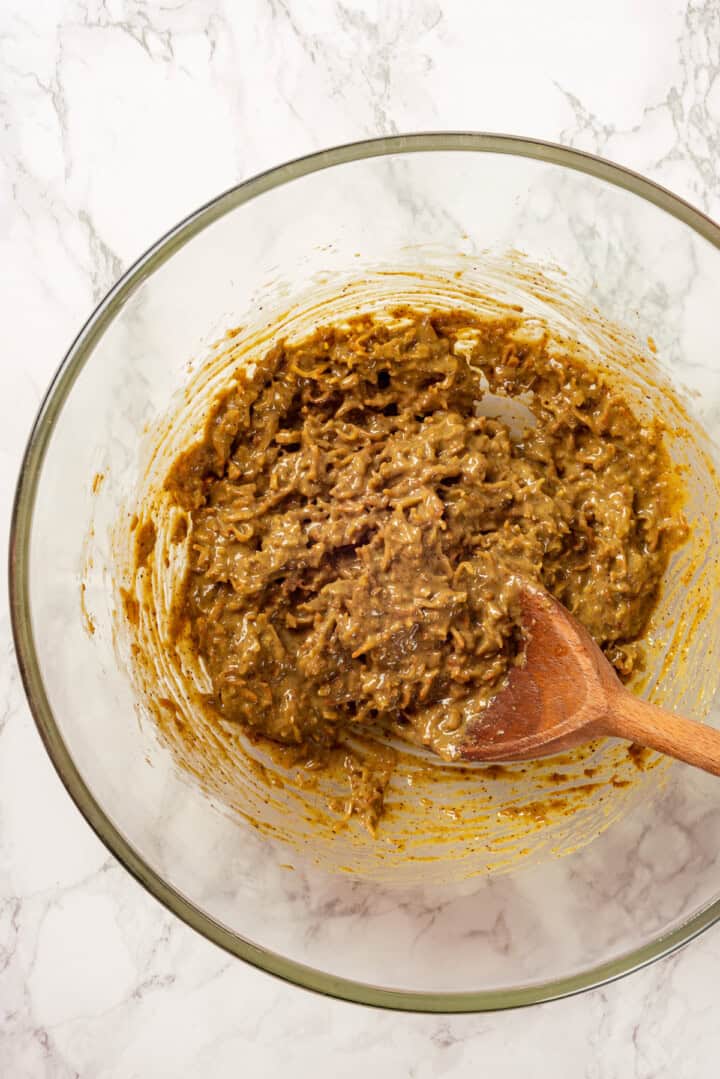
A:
[(645, 723)]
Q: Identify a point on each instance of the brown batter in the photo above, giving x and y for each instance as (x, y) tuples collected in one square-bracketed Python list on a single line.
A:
[(358, 527)]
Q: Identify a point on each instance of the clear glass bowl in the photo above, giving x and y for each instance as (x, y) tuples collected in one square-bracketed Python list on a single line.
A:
[(426, 939)]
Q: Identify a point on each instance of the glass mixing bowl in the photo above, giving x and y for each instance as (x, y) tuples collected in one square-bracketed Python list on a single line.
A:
[(418, 936)]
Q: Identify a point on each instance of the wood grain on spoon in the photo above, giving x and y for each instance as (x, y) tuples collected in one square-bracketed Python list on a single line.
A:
[(567, 693)]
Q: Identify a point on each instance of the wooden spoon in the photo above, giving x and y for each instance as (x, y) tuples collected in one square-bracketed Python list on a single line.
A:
[(567, 693)]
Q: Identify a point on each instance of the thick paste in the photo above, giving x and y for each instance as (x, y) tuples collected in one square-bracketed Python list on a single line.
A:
[(363, 503)]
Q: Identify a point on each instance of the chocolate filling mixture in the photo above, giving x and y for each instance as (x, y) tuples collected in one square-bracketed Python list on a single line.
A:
[(363, 503)]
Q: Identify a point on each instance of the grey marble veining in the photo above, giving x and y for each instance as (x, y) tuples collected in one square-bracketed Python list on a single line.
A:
[(116, 119)]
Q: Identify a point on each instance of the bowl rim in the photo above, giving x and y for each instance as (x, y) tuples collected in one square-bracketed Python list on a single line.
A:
[(19, 590)]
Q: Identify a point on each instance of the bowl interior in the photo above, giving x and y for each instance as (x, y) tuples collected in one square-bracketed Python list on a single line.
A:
[(484, 920)]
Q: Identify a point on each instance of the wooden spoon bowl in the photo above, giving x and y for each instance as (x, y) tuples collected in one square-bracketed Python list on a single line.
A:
[(566, 693)]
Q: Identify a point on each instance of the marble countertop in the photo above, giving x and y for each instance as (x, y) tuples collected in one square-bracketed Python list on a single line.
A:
[(118, 118)]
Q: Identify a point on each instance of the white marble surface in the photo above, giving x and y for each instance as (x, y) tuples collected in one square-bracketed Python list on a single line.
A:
[(117, 119)]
